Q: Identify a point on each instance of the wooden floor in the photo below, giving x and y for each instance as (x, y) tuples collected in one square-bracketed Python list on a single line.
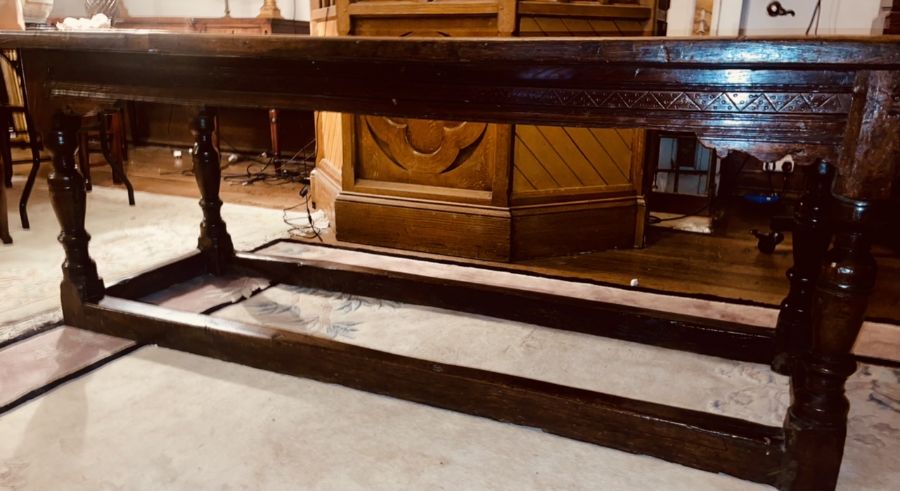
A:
[(726, 264)]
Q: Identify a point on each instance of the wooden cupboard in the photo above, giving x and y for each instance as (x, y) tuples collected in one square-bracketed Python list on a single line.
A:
[(488, 191)]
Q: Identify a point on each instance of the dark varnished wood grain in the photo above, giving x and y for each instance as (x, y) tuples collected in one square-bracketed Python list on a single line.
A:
[(812, 235), (214, 240), (80, 283), (160, 276), (573, 81), (816, 423), (868, 162), (819, 53), (548, 80)]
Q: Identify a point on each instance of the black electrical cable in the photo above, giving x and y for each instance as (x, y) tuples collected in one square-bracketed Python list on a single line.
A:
[(282, 176), (298, 229), (817, 14), (653, 219)]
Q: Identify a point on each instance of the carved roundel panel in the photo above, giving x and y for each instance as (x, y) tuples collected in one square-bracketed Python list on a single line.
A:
[(424, 146)]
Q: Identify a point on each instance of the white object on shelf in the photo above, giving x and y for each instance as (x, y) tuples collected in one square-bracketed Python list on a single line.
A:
[(99, 21)]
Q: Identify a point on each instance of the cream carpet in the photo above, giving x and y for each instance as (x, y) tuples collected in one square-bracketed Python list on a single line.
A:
[(124, 240), (163, 420), (159, 420)]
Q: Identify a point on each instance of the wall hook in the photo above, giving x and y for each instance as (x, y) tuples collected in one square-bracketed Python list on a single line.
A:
[(776, 10)]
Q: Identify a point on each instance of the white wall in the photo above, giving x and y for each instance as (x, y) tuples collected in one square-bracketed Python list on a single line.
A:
[(680, 18), (290, 9), (727, 17), (749, 17), (848, 17)]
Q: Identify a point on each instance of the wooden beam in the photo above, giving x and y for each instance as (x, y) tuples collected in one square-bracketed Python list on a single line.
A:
[(698, 335), (794, 54), (160, 277), (705, 441)]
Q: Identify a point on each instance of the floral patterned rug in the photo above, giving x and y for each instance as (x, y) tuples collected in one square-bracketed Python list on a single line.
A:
[(124, 240), (704, 383)]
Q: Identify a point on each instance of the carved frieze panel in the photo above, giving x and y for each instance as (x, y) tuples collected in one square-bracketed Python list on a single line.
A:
[(432, 152), (424, 146), (691, 101)]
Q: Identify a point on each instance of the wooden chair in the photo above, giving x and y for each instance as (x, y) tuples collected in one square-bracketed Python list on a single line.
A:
[(34, 143), (109, 125), (107, 128)]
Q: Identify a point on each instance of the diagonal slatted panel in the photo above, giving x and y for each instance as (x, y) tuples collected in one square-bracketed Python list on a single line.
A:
[(532, 170), (579, 27), (627, 137), (619, 151), (605, 27), (529, 27), (574, 26), (546, 156), (572, 157), (552, 26), (600, 158), (629, 27), (520, 181)]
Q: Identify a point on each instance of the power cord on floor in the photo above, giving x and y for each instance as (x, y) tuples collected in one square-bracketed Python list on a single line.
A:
[(291, 170), (653, 219), (298, 230)]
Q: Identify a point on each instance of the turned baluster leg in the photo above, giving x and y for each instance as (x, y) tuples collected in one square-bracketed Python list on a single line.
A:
[(80, 280), (214, 239), (811, 236), (816, 423)]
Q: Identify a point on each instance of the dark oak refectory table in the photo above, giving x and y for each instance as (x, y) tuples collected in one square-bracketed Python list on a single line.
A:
[(833, 103)]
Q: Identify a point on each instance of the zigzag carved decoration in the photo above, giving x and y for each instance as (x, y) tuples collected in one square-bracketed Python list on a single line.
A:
[(690, 101)]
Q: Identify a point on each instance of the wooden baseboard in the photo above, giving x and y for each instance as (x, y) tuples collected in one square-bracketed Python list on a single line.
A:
[(572, 228), (489, 233), (451, 229)]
